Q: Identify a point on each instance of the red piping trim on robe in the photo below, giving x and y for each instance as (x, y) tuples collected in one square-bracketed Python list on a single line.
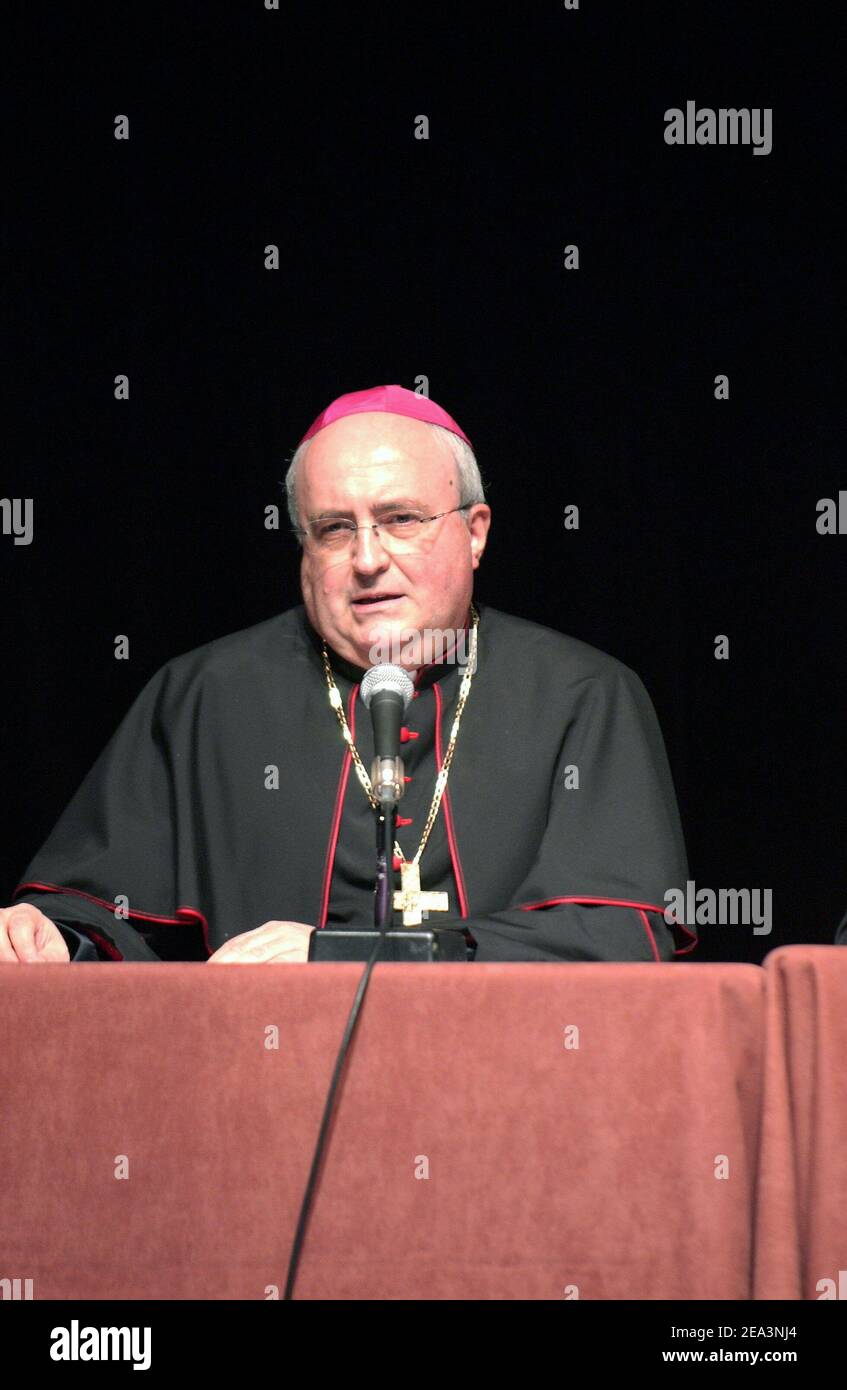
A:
[(448, 813), (184, 914), (650, 937), (329, 862), (617, 902)]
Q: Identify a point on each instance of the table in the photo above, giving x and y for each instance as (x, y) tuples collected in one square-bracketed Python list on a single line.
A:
[(536, 1131)]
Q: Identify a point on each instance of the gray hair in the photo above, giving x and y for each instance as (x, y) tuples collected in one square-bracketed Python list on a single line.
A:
[(467, 472)]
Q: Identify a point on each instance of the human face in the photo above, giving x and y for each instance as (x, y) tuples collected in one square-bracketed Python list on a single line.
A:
[(353, 467)]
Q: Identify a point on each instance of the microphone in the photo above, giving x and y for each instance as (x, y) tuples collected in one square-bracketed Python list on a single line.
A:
[(386, 691)]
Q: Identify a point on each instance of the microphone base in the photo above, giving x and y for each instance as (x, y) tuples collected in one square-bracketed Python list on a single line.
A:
[(408, 944)]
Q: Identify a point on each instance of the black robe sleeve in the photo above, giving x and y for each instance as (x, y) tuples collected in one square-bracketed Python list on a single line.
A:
[(116, 835), (612, 847)]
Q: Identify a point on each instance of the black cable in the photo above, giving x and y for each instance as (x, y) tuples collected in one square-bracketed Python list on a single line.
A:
[(385, 833)]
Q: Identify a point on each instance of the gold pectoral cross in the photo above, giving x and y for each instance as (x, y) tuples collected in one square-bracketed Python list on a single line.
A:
[(412, 901)]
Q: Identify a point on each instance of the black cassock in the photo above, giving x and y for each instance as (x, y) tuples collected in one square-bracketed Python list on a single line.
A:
[(557, 838)]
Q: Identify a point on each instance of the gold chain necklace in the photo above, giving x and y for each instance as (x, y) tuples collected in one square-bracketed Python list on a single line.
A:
[(410, 898)]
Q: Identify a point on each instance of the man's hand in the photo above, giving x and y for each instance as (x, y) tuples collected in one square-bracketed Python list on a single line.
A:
[(27, 937), (274, 941)]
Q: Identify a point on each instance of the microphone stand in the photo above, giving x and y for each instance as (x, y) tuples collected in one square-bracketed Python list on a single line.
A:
[(387, 942), (386, 820)]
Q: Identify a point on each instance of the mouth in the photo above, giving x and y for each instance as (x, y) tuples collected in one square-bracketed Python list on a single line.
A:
[(376, 600)]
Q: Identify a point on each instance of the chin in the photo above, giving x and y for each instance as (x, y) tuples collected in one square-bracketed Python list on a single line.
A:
[(386, 641)]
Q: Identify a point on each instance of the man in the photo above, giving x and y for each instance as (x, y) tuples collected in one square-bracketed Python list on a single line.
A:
[(228, 817)]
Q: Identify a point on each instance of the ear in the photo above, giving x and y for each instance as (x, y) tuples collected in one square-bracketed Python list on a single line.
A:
[(479, 521)]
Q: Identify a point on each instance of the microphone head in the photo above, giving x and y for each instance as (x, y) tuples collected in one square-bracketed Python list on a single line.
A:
[(387, 677)]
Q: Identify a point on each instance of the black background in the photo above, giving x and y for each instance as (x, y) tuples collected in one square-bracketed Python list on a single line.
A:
[(441, 258)]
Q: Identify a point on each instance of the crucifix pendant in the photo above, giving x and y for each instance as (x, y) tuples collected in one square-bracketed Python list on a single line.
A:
[(414, 903)]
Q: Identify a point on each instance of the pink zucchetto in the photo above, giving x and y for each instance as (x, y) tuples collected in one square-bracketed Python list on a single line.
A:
[(393, 400)]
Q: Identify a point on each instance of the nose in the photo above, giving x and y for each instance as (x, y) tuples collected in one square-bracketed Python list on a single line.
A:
[(369, 554)]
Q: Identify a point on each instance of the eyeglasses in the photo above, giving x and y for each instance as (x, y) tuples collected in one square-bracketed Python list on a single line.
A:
[(399, 531)]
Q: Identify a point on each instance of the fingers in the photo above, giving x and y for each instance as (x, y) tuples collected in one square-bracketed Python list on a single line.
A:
[(7, 950), (27, 937), (273, 942), (256, 953), (50, 943)]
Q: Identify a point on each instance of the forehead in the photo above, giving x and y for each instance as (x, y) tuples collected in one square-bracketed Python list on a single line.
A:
[(364, 455)]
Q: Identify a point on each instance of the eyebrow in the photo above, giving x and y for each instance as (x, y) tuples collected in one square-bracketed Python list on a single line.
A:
[(380, 507)]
